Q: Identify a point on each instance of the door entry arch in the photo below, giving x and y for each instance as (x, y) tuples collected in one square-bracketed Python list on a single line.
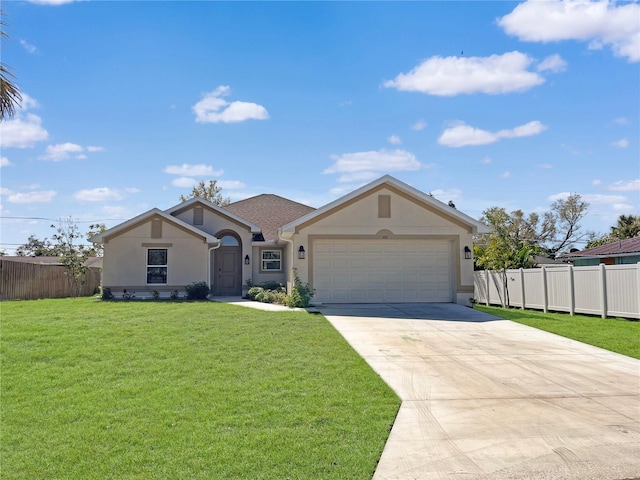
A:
[(227, 265)]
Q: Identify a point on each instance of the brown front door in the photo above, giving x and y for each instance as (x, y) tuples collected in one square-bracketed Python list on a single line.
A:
[(228, 271)]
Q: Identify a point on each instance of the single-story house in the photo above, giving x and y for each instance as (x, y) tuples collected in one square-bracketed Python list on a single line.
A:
[(384, 242), (615, 253)]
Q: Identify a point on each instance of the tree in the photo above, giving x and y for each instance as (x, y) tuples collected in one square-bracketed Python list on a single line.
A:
[(97, 250), (627, 226), (73, 255), (10, 97), (509, 245), (210, 192), (36, 248), (560, 227)]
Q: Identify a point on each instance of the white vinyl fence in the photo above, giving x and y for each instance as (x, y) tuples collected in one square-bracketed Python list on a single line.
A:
[(605, 290)]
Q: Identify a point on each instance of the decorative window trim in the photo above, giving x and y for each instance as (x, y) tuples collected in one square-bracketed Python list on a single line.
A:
[(271, 260), (156, 270)]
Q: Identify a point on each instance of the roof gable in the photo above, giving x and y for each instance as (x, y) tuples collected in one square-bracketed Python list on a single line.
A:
[(223, 211), (145, 217), (269, 211), (398, 187)]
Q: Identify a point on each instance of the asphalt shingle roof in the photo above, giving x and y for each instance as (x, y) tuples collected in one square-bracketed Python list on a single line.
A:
[(630, 245), (269, 212)]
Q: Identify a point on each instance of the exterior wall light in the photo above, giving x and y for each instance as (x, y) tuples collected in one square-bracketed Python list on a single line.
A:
[(246, 259), (301, 253), (467, 253)]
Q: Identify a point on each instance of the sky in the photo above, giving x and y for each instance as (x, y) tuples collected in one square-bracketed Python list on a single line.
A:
[(126, 105)]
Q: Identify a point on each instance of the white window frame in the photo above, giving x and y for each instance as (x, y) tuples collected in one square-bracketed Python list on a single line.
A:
[(165, 266), (265, 261)]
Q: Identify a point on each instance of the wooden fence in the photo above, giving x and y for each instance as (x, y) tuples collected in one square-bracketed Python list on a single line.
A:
[(605, 290), (28, 281)]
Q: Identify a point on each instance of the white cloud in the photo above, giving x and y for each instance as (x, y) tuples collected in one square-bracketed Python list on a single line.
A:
[(419, 125), (62, 151), (446, 195), (462, 135), (394, 139), (362, 166), (32, 197), (626, 186), (486, 160), (545, 165), (553, 63), (27, 46), (93, 149), (184, 182), (231, 184), (132, 190), (622, 143), (213, 109), (622, 121), (619, 203), (598, 22), (596, 182), (101, 194), (198, 170), (5, 191), (4, 162), (22, 131), (505, 175), (496, 74)]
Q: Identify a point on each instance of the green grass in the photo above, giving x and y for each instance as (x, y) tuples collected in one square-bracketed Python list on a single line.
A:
[(135, 390), (615, 334)]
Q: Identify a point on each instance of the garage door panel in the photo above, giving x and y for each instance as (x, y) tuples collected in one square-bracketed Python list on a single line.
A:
[(382, 271)]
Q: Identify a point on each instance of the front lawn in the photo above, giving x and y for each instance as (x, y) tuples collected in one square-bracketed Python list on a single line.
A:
[(145, 390), (617, 335)]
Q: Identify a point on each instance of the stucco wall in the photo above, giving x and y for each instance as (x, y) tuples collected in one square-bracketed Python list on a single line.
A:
[(125, 257)]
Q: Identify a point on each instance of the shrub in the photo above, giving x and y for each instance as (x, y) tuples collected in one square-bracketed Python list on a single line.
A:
[(175, 295), (301, 293), (197, 291), (254, 291), (155, 294)]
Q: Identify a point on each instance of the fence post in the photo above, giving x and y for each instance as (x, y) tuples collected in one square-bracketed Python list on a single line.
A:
[(522, 289), (572, 292), (545, 294), (486, 282), (603, 289)]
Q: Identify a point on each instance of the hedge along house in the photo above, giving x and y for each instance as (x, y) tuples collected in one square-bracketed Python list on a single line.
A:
[(384, 242)]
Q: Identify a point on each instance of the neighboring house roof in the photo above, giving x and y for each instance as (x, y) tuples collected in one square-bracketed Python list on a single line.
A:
[(253, 227), (269, 211), (46, 260), (474, 225), (621, 248), (101, 237)]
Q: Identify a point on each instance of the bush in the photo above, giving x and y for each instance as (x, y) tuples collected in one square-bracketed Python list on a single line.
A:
[(197, 291), (301, 293), (254, 291), (106, 294)]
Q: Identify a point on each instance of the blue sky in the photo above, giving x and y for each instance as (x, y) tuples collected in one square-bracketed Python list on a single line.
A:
[(128, 104)]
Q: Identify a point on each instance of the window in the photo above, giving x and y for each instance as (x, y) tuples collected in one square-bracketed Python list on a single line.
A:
[(271, 260), (157, 265)]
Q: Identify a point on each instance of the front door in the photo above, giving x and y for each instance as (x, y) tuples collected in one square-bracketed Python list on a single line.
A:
[(228, 271)]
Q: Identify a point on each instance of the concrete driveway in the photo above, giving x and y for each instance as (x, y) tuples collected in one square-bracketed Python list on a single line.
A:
[(486, 398)]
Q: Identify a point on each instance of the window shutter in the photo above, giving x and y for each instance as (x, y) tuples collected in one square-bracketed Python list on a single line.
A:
[(384, 206), (156, 228)]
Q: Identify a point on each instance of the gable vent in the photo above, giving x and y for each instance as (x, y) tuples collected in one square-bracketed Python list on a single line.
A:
[(156, 228), (198, 216), (384, 206)]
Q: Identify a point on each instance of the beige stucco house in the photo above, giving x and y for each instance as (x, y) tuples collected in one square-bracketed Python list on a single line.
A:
[(384, 242)]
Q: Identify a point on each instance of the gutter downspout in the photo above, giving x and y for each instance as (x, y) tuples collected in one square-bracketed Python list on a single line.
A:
[(290, 276), (209, 262)]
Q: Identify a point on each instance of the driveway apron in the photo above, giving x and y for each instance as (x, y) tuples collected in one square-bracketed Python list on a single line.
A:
[(486, 398)]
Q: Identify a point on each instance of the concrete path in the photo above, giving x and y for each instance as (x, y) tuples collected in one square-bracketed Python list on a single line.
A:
[(486, 398)]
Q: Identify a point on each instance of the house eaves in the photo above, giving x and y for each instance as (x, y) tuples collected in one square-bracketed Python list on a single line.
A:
[(143, 217), (473, 225)]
